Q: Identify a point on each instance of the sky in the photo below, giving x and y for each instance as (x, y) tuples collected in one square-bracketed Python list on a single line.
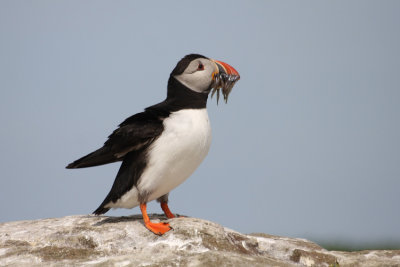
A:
[(307, 146)]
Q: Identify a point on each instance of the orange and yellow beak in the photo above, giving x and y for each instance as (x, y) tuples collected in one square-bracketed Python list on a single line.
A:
[(222, 67)]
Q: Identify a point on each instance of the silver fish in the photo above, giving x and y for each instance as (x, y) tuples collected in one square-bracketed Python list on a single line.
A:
[(224, 82)]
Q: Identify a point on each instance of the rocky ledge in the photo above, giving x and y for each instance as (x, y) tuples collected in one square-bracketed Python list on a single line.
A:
[(124, 241)]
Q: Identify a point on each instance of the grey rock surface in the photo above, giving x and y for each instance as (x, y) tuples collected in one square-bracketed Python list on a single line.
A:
[(124, 241)]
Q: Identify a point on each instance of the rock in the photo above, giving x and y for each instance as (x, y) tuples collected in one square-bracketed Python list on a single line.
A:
[(124, 241)]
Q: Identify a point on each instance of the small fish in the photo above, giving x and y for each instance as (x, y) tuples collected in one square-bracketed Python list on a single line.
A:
[(225, 82)]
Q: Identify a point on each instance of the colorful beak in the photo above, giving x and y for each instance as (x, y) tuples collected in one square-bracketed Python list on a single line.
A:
[(226, 68)]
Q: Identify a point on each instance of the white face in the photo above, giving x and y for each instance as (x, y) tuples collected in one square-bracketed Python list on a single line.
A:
[(198, 76)]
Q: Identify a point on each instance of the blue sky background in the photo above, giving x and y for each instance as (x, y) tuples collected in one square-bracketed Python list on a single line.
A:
[(308, 145)]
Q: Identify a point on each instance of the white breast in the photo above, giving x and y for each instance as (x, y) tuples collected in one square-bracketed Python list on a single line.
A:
[(176, 154), (173, 157)]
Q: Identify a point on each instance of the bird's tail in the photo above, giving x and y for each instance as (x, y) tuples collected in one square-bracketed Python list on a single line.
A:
[(101, 210), (99, 157)]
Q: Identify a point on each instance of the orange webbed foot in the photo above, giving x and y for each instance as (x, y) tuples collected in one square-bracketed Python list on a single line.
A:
[(158, 228)]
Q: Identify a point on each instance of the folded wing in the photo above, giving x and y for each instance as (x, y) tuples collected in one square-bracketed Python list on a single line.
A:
[(136, 132)]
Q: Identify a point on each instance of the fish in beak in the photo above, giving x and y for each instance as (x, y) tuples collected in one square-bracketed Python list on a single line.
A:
[(224, 78)]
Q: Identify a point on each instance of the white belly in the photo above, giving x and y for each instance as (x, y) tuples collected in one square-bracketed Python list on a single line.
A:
[(173, 157), (177, 153)]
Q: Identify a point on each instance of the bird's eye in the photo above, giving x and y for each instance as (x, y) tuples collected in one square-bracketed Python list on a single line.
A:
[(200, 66)]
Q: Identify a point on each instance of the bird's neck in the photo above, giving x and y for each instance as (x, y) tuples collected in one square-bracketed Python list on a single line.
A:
[(181, 97)]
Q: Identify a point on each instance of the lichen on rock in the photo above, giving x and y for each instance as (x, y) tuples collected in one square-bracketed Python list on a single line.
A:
[(124, 241)]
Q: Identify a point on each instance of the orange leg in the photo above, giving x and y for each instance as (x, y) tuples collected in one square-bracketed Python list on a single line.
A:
[(157, 228), (165, 208)]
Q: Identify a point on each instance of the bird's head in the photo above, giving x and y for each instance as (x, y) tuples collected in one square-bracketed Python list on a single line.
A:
[(203, 75)]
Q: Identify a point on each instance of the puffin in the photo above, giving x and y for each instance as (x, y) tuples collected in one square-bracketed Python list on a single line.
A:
[(163, 145)]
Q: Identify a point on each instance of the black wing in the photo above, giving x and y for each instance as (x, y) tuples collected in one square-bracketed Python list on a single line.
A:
[(135, 133)]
